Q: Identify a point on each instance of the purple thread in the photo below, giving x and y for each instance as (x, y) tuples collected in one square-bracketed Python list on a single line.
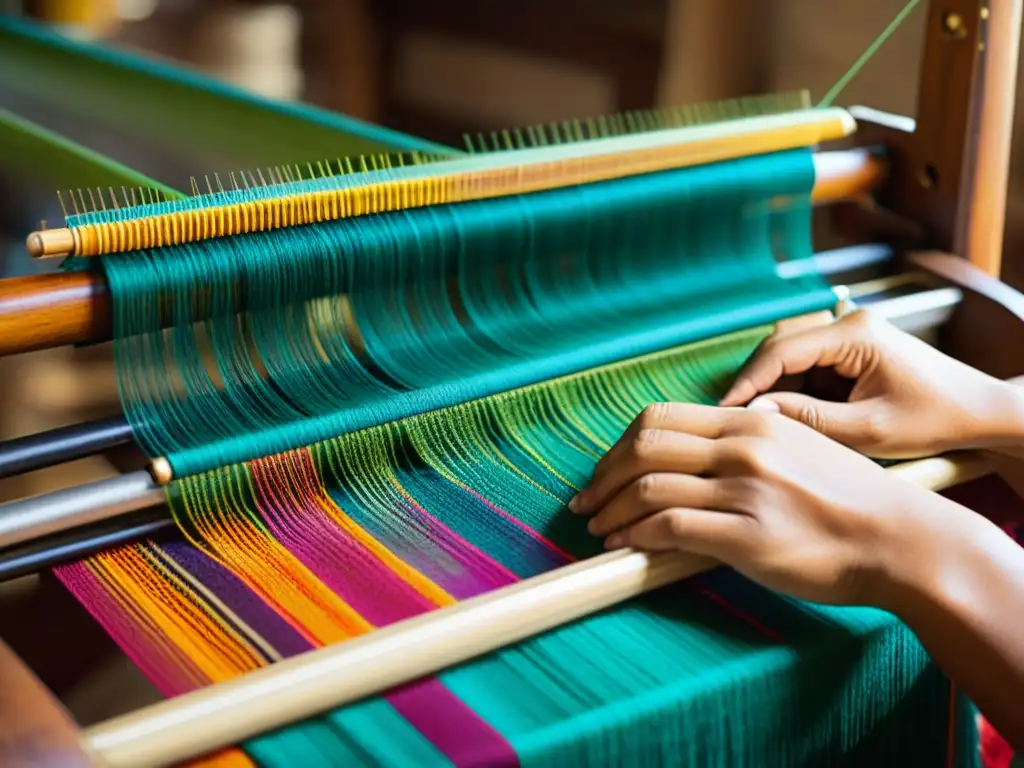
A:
[(241, 600)]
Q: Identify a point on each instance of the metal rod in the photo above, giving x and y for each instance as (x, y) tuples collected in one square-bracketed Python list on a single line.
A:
[(70, 546), (57, 446), (33, 518)]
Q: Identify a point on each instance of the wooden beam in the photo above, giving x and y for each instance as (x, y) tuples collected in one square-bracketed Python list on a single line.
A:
[(981, 220), (928, 154)]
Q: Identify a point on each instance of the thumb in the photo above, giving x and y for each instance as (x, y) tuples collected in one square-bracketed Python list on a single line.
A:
[(843, 422)]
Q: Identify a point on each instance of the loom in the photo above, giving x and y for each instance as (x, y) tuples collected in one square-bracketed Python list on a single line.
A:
[(368, 383)]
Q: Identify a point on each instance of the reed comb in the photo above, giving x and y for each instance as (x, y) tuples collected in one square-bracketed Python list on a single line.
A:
[(292, 199)]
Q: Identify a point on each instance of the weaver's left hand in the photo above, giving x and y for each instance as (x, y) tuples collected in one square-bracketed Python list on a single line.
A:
[(764, 494)]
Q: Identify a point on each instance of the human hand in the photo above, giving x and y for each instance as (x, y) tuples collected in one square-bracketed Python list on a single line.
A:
[(908, 399), (766, 495)]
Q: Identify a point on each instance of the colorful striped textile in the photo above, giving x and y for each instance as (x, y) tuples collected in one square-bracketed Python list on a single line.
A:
[(322, 544)]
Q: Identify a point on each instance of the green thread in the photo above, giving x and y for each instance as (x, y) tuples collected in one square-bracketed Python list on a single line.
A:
[(361, 321), (865, 57), (172, 122)]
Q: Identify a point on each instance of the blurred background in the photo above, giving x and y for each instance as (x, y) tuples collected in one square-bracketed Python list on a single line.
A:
[(429, 68)]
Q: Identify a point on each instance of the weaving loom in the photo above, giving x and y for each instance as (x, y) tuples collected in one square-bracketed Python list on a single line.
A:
[(369, 382)]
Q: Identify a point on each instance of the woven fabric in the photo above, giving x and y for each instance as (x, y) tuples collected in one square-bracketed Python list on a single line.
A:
[(327, 543)]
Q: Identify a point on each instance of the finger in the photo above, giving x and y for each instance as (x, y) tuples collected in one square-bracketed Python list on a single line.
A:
[(787, 355), (651, 451), (692, 418), (716, 534), (852, 424), (653, 493), (689, 418)]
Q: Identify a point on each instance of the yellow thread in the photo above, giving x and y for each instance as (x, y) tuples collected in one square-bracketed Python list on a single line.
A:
[(177, 227), (266, 566)]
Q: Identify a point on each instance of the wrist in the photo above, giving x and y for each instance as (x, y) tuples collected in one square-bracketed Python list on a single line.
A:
[(927, 555), (1000, 423)]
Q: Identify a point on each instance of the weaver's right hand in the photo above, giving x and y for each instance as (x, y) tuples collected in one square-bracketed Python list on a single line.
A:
[(908, 399)]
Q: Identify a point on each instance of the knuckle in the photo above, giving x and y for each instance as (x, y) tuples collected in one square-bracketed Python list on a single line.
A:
[(875, 428), (747, 455), (648, 489), (654, 414), (752, 423), (774, 347), (813, 417), (752, 459), (863, 322), (645, 443), (677, 524)]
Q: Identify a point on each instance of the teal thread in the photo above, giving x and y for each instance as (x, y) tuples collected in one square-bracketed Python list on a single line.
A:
[(363, 321)]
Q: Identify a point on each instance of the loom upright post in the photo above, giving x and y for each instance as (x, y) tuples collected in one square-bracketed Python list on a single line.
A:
[(982, 220), (928, 153)]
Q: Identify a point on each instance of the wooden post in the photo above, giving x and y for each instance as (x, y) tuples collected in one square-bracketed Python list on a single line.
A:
[(949, 166), (982, 211)]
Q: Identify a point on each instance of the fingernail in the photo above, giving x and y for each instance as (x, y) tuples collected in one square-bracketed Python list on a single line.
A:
[(764, 404), (592, 526), (580, 503), (615, 541)]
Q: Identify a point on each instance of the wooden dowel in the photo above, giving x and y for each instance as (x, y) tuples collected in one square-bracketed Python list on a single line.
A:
[(46, 311), (301, 687), (846, 175), (982, 210)]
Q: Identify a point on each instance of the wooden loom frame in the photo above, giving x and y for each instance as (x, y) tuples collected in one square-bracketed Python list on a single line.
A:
[(949, 176)]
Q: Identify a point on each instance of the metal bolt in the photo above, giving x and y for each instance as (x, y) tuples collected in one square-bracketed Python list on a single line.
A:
[(953, 25)]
